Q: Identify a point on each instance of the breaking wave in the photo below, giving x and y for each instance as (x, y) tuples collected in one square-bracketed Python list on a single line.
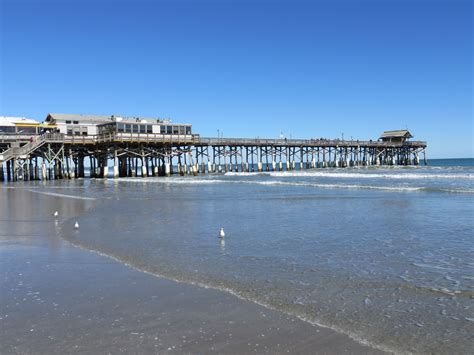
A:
[(360, 175), (211, 181)]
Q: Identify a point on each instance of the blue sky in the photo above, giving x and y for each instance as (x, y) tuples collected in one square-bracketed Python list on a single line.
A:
[(249, 68)]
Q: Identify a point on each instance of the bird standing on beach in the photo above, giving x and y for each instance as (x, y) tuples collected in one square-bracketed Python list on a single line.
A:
[(76, 225), (56, 213), (222, 233)]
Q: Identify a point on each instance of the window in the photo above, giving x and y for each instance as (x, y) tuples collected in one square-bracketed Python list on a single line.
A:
[(149, 128), (29, 130), (169, 130), (163, 129), (105, 129), (68, 122), (182, 130), (188, 129), (120, 127), (128, 128), (7, 130), (142, 128), (175, 130), (75, 122), (69, 131)]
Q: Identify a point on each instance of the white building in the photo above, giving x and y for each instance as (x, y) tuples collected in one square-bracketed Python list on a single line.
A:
[(91, 125), (18, 125)]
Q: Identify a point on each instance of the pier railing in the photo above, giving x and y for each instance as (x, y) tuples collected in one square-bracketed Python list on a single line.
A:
[(194, 139), (301, 142)]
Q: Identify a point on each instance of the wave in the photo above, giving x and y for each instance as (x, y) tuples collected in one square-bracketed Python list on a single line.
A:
[(50, 187), (174, 180), (334, 174), (62, 195), (233, 173), (197, 181), (336, 186)]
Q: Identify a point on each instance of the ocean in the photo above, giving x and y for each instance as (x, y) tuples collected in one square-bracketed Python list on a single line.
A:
[(382, 254)]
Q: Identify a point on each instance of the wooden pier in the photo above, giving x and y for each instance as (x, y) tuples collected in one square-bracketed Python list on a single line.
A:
[(114, 154)]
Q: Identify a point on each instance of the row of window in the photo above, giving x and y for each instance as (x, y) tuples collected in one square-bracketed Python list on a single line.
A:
[(175, 130), (134, 128), (19, 130), (146, 128), (130, 128), (73, 122), (76, 131)]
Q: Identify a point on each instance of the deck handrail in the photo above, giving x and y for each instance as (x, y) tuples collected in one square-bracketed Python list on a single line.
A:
[(34, 142)]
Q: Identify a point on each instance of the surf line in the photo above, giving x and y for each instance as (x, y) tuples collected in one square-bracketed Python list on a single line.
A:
[(232, 292), (62, 195)]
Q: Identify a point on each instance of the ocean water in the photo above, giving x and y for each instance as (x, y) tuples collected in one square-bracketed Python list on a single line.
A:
[(385, 255)]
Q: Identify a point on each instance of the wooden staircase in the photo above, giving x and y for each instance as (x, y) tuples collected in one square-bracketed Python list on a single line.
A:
[(24, 151)]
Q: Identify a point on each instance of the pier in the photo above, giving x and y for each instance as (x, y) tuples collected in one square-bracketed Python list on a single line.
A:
[(116, 150)]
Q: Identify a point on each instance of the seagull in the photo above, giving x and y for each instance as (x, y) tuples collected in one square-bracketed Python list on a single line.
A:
[(76, 225), (56, 213), (222, 233)]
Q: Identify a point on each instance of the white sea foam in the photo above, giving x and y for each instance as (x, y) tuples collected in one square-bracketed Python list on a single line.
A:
[(193, 181), (346, 175), (62, 195), (174, 180), (234, 173), (197, 181)]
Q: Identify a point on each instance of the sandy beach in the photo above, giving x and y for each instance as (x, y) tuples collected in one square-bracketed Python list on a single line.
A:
[(57, 298)]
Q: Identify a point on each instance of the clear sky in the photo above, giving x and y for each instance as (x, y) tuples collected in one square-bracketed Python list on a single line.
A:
[(249, 68)]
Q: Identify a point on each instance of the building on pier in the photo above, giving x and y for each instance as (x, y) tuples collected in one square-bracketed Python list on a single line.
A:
[(78, 125), (144, 126), (19, 126), (93, 125), (398, 136)]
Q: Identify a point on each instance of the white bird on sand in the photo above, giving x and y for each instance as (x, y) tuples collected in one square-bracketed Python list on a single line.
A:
[(76, 225), (222, 233), (56, 213)]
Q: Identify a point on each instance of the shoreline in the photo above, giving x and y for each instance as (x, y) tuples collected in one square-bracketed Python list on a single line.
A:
[(236, 295), (281, 332)]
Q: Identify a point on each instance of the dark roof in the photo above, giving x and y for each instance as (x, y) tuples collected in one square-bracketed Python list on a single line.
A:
[(402, 133)]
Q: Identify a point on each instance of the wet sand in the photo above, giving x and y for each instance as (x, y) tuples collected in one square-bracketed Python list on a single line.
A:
[(56, 298)]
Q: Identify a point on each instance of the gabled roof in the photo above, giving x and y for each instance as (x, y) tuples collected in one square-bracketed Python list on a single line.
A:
[(80, 118), (396, 134)]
